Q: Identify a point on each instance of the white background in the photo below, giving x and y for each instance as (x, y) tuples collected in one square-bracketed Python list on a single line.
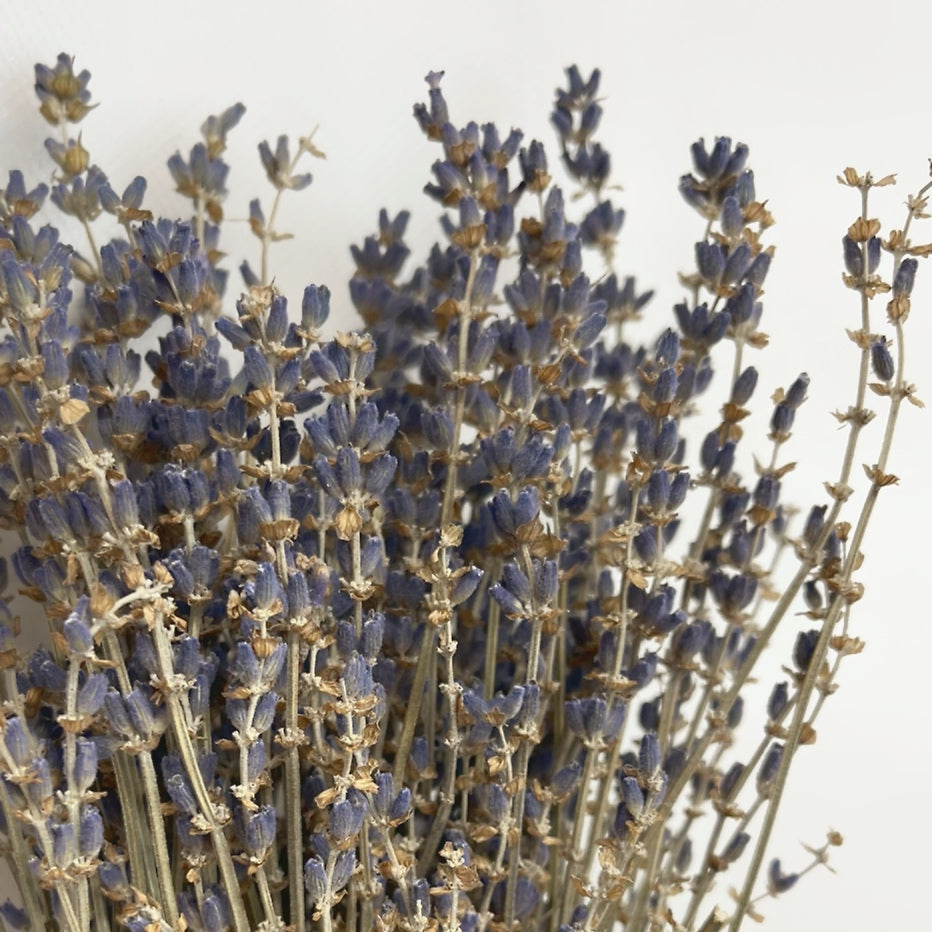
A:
[(810, 86)]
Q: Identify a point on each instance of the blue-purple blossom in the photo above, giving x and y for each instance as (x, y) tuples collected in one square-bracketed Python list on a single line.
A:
[(447, 621)]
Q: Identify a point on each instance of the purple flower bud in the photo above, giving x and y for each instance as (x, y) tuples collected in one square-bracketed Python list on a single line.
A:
[(722, 161), (125, 509), (546, 581), (438, 362), (21, 292), (708, 454), (767, 492), (710, 260), (531, 460), (757, 270), (14, 917), (693, 194), (768, 769), (256, 367), (215, 912), (666, 442), (735, 847), (315, 307), (588, 331), (116, 714), (244, 666), (812, 595), (814, 524), (690, 640), (380, 473), (882, 361), (737, 263), (665, 387), (678, 489), (517, 582), (347, 471), (732, 221), (658, 490), (260, 830), (730, 781), (465, 585), (804, 648), (346, 864), (645, 543), (503, 513), (315, 879), (145, 719), (55, 372), (324, 367), (873, 254), (564, 781), (384, 795), (796, 393), (44, 672), (78, 635), (649, 715), (507, 706), (497, 804), (326, 477), (237, 711), (255, 761), (91, 831), (234, 333), (55, 519), (633, 796), (357, 677), (17, 741), (276, 324), (346, 820), (649, 755), (91, 695), (180, 792), (905, 277), (668, 349), (113, 879), (744, 386), (267, 589), (39, 788), (511, 606), (64, 847), (854, 260), (778, 701), (777, 881), (643, 671), (371, 557), (740, 306), (264, 715)]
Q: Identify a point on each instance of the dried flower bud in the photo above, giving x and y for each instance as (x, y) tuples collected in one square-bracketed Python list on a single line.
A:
[(882, 361)]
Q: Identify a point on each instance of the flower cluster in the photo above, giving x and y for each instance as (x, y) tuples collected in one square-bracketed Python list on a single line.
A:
[(444, 624)]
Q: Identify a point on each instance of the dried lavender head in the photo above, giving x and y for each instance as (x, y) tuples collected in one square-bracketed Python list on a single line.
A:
[(445, 623)]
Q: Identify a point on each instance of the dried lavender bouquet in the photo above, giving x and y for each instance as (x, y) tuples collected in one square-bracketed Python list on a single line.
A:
[(446, 624)]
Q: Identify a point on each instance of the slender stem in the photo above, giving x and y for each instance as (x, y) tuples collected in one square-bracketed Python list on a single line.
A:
[(25, 881), (834, 612), (293, 787), (169, 904), (416, 699), (193, 772)]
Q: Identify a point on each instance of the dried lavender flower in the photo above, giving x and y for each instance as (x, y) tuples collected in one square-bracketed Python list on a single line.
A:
[(447, 623)]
